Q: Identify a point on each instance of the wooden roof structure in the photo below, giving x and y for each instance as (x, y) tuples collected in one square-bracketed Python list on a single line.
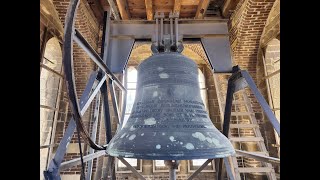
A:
[(145, 9)]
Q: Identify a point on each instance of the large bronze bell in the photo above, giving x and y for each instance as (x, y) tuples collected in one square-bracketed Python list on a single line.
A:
[(168, 119)]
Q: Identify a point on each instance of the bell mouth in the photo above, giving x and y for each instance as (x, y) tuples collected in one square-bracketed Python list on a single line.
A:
[(209, 154)]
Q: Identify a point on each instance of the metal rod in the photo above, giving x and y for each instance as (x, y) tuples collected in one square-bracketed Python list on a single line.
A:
[(172, 173), (271, 74), (131, 168), (48, 146), (77, 161), (94, 133), (266, 108), (161, 29), (176, 30), (114, 102), (259, 157), (124, 97), (228, 168), (171, 29), (226, 120), (205, 164), (79, 39), (157, 31), (93, 94), (51, 70), (106, 36), (104, 89)]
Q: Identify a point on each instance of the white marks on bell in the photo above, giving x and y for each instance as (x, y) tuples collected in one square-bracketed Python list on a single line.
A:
[(158, 146), (164, 75), (167, 145), (160, 68), (150, 121), (163, 134), (199, 135), (172, 139), (209, 140), (216, 142), (127, 136), (202, 137), (189, 146), (132, 137), (132, 128), (155, 94), (154, 133), (181, 143), (122, 135), (142, 134)]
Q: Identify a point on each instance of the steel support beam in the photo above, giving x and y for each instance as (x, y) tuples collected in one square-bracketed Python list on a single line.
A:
[(77, 161), (205, 164), (95, 120), (258, 157), (79, 39), (265, 106), (135, 172)]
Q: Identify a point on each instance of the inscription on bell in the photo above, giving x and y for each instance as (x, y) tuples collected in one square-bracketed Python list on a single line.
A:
[(173, 111)]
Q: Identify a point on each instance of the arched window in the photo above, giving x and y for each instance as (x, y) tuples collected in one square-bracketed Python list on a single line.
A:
[(50, 85), (272, 76)]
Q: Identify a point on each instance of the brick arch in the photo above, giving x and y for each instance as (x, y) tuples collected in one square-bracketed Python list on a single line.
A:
[(246, 27)]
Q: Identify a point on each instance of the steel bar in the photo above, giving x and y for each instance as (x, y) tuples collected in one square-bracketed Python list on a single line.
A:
[(157, 31), (258, 157), (266, 108), (228, 168), (77, 161), (161, 28), (132, 168), (93, 94), (48, 146), (104, 88), (205, 164), (79, 39), (176, 31), (271, 74), (226, 120), (94, 133), (172, 173), (106, 36), (48, 107), (124, 97), (114, 102), (51, 70), (171, 29)]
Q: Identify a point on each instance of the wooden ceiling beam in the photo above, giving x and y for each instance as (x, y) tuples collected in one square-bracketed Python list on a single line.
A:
[(149, 9), (202, 8), (228, 6), (123, 9), (177, 6)]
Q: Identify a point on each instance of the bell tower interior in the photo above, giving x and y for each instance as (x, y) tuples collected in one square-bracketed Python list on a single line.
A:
[(90, 57)]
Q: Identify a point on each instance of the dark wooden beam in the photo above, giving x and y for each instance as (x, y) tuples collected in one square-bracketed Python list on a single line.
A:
[(149, 9), (123, 9), (202, 8), (97, 9), (228, 6), (177, 6)]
